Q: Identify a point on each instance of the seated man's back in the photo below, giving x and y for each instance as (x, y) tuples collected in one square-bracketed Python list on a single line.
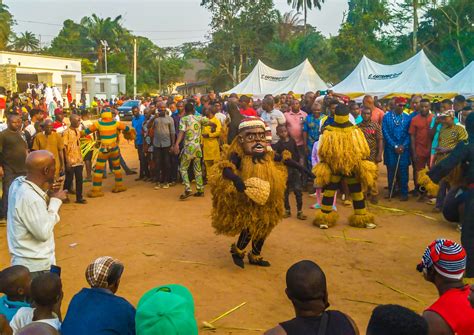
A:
[(98, 311)]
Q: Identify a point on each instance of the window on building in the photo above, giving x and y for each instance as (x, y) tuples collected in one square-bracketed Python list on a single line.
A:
[(102, 87)]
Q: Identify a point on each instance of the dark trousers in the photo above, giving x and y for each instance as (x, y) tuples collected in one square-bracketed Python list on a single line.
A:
[(299, 200), (293, 184), (162, 160), (8, 178), (141, 157), (74, 172), (443, 190), (402, 176), (244, 239), (174, 168)]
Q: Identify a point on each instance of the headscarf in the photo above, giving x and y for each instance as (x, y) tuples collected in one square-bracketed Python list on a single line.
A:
[(99, 270)]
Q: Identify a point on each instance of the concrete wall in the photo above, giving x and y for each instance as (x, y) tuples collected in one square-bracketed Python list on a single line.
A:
[(51, 70), (102, 85)]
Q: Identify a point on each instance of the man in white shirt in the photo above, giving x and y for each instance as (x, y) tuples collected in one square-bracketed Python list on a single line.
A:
[(272, 117), (33, 207)]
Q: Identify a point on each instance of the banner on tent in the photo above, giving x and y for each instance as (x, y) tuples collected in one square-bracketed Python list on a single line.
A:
[(273, 78), (384, 76)]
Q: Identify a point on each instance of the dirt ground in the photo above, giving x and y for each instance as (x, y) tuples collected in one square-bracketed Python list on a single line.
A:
[(162, 240)]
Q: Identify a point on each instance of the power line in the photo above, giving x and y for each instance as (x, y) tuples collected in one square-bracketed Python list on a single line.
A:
[(137, 31)]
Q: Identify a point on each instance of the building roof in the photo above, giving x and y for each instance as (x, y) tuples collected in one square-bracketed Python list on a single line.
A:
[(37, 55)]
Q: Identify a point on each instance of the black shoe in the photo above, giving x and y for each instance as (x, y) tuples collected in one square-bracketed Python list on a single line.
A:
[(185, 195), (128, 173), (81, 201), (199, 194), (404, 198), (237, 256), (139, 178), (258, 260)]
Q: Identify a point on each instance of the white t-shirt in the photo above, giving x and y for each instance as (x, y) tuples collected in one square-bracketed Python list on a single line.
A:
[(221, 117), (274, 119), (31, 129), (24, 317)]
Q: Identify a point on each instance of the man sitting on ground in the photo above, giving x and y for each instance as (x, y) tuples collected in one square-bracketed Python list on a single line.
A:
[(443, 264), (97, 310), (15, 284), (396, 320), (47, 294), (306, 288)]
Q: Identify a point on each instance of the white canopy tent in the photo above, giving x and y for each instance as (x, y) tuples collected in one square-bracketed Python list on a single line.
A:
[(461, 83), (266, 80), (415, 75)]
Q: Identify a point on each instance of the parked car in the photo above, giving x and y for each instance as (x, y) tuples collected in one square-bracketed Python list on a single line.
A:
[(125, 111)]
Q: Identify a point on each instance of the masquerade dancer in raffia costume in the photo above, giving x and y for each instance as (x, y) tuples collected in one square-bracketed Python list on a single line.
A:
[(248, 187), (108, 130), (343, 152), (459, 203)]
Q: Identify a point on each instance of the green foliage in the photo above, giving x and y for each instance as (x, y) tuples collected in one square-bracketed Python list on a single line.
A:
[(6, 22), (26, 41), (83, 40), (240, 31)]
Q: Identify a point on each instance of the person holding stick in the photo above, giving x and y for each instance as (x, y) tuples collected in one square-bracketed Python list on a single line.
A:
[(395, 126)]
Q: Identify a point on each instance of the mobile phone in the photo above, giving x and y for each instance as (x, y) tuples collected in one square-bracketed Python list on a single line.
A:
[(55, 269)]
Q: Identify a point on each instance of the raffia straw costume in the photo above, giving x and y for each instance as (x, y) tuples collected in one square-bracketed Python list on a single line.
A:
[(343, 153), (248, 187), (108, 130)]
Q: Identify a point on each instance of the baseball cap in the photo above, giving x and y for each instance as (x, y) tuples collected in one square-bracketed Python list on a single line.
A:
[(167, 309)]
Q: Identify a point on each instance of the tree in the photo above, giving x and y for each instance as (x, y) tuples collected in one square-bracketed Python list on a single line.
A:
[(73, 41), (289, 25), (108, 29), (305, 5), (6, 23), (240, 31), (26, 41)]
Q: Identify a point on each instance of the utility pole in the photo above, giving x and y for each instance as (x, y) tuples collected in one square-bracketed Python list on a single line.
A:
[(159, 73), (135, 68), (105, 45)]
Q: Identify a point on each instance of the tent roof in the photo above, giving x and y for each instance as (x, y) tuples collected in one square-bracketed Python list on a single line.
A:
[(266, 80), (415, 75), (461, 83)]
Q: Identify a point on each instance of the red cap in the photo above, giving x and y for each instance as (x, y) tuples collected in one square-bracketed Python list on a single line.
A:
[(58, 111), (400, 101)]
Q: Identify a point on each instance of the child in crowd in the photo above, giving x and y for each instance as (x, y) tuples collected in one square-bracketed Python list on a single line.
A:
[(15, 284), (47, 294), (293, 183)]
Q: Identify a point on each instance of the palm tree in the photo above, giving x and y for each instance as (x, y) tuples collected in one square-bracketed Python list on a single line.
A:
[(26, 41), (6, 22), (289, 24), (100, 29), (306, 5)]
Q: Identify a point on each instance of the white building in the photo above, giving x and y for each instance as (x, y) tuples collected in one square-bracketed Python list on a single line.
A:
[(104, 86), (18, 69)]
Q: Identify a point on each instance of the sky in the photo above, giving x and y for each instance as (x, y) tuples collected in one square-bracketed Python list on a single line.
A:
[(165, 22)]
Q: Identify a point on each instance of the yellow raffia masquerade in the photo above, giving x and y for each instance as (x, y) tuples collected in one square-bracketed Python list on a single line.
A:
[(232, 211)]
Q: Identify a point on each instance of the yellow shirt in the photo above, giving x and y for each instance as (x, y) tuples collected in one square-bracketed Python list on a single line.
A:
[(53, 143), (211, 144), (72, 147)]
